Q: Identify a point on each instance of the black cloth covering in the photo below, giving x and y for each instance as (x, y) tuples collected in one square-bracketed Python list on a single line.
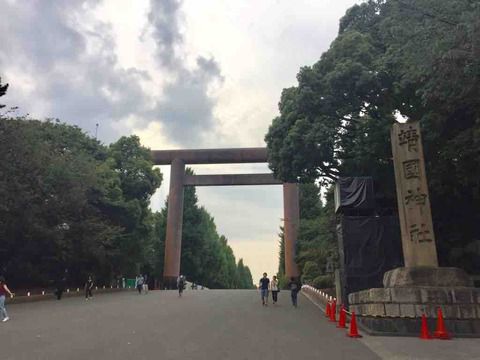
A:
[(368, 247), (354, 193)]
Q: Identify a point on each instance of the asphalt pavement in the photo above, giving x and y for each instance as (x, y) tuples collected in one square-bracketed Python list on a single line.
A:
[(203, 324)]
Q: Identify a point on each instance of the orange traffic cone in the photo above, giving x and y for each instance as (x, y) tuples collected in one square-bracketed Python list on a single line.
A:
[(342, 321), (333, 312), (441, 331), (424, 334), (327, 310), (353, 327)]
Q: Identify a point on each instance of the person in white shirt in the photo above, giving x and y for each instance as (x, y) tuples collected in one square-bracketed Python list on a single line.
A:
[(139, 280), (274, 289), (145, 284)]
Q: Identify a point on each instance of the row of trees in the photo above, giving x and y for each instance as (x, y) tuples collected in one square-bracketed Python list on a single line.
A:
[(69, 202), (316, 242), (206, 256), (410, 59)]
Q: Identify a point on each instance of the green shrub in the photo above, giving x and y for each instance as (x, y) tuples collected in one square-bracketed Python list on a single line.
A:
[(322, 282), (310, 271)]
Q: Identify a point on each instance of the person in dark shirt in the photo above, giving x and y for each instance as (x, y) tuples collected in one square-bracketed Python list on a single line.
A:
[(60, 288), (295, 287), (264, 282), (88, 288), (181, 282), (61, 284)]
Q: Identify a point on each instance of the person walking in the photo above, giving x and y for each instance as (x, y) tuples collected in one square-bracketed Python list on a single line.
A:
[(61, 285), (4, 290), (295, 287), (88, 288), (145, 284), (139, 281), (263, 285), (274, 289), (181, 285)]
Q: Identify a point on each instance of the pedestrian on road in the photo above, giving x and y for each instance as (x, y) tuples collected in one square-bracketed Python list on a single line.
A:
[(145, 284), (4, 290), (274, 289), (264, 283), (295, 287), (88, 288), (181, 284), (139, 281), (60, 287)]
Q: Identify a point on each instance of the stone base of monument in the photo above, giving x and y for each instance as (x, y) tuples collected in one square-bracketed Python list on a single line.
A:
[(380, 326), (408, 293)]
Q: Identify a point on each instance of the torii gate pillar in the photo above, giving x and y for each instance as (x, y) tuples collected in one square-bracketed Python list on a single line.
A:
[(291, 219), (173, 241)]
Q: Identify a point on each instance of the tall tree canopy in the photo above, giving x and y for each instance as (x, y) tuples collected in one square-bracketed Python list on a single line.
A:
[(418, 59), (316, 242), (69, 202)]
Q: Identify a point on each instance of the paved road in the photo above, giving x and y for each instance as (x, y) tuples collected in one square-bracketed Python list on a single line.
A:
[(209, 324), (213, 324)]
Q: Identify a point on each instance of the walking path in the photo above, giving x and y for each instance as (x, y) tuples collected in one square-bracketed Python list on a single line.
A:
[(213, 324)]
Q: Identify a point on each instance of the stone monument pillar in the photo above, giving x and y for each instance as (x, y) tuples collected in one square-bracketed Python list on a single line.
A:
[(416, 226), (421, 287), (418, 238), (173, 241)]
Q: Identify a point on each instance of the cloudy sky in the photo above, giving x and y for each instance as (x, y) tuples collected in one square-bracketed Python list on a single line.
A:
[(179, 74)]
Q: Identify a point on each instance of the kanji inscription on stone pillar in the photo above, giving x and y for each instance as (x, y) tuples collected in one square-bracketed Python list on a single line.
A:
[(414, 211)]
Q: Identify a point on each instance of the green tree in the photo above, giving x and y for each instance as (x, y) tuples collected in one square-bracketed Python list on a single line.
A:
[(244, 276), (281, 254), (415, 59), (48, 177), (316, 242), (228, 270), (206, 258), (128, 207), (65, 205), (3, 91)]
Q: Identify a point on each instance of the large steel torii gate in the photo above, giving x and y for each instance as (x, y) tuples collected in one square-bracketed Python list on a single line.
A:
[(178, 179)]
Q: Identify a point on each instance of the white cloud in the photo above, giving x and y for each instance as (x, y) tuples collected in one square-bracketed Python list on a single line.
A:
[(177, 73)]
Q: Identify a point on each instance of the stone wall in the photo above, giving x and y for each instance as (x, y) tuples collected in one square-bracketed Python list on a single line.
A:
[(456, 303)]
